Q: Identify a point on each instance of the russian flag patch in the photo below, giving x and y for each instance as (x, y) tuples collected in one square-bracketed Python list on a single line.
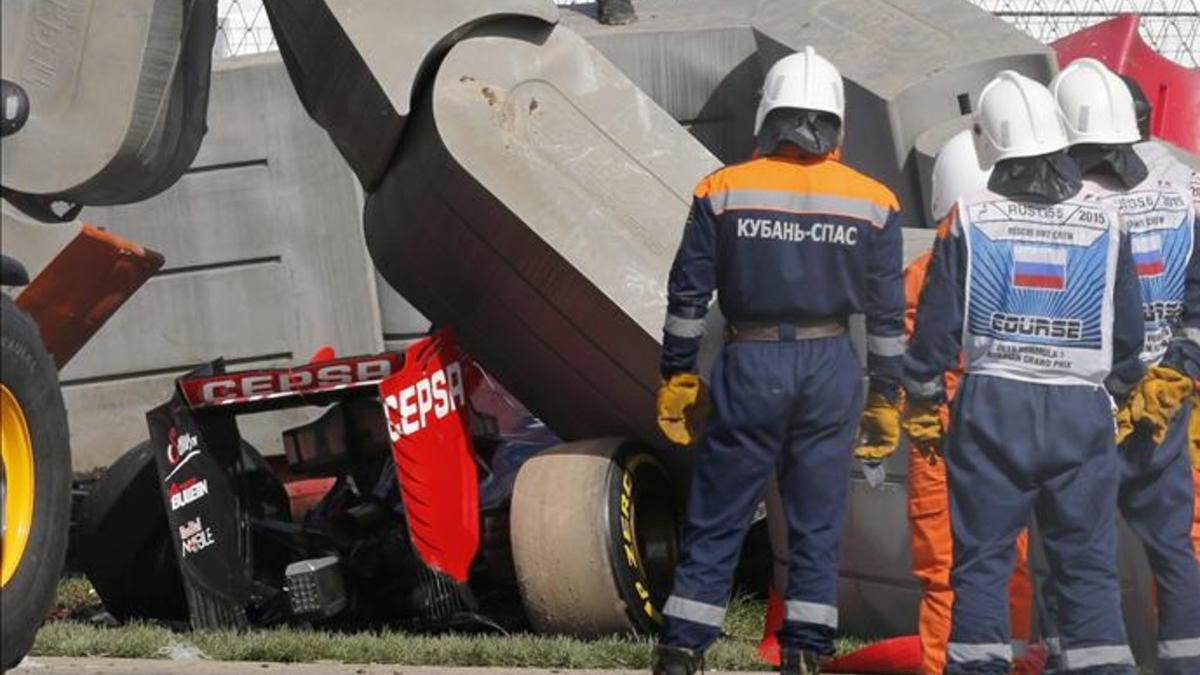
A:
[(1148, 255), (1040, 267)]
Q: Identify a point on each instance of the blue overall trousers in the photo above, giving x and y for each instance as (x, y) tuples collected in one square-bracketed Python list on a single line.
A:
[(790, 406)]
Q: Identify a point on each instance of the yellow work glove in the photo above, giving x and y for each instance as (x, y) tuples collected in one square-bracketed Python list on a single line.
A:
[(1124, 419), (878, 430), (683, 408), (922, 424), (1194, 431), (1158, 399)]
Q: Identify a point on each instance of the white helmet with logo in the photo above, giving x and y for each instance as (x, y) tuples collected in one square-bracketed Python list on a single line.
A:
[(802, 80), (1095, 103), (956, 172), (1017, 117)]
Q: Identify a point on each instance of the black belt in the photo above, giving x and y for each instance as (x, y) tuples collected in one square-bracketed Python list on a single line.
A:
[(785, 332)]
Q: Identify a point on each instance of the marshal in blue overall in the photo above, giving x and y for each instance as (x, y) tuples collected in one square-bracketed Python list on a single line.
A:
[(1157, 491), (1034, 282), (793, 242)]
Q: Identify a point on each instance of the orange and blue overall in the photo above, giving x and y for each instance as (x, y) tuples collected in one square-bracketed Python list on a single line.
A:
[(792, 246)]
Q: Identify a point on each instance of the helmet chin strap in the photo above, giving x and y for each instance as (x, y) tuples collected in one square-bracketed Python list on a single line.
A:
[(1047, 179), (1116, 160), (815, 133)]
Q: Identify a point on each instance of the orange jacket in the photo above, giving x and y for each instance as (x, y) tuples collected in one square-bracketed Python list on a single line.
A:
[(914, 281)]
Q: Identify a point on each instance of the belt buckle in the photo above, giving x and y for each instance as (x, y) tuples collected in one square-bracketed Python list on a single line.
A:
[(787, 332)]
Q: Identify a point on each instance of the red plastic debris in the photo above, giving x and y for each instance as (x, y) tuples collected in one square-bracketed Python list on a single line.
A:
[(768, 649), (893, 656), (325, 353)]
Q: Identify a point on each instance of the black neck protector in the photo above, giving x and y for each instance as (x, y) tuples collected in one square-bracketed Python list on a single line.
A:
[(1045, 179), (1118, 161), (816, 133)]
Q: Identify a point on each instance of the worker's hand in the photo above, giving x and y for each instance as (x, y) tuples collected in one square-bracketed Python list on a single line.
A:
[(1157, 400), (1194, 432), (922, 422), (683, 408), (878, 430)]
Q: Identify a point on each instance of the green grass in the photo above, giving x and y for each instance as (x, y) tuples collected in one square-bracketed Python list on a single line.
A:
[(76, 599), (72, 637)]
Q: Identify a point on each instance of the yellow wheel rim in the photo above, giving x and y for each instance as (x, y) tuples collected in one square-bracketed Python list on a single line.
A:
[(17, 483)]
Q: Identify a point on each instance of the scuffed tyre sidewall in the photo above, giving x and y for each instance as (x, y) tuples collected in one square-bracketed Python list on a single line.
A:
[(628, 570), (125, 544), (30, 374)]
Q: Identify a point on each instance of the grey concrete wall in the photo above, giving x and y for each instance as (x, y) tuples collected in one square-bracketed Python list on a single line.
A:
[(265, 262)]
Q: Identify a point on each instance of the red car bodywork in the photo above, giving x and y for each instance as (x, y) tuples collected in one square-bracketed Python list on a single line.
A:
[(428, 419), (427, 396)]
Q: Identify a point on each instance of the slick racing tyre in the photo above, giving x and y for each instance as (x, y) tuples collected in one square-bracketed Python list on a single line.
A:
[(35, 483), (594, 530), (125, 545)]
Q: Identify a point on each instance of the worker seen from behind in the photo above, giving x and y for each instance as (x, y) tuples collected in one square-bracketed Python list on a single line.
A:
[(1034, 282), (1157, 492), (956, 173), (1162, 164), (793, 242)]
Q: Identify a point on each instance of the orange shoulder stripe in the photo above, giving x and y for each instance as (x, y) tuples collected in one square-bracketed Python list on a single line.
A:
[(822, 178)]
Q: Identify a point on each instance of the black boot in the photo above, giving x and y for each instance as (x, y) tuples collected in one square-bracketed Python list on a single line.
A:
[(617, 12), (799, 662), (676, 661)]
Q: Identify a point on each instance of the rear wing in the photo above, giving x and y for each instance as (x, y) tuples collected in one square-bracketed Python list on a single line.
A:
[(423, 418), (318, 383)]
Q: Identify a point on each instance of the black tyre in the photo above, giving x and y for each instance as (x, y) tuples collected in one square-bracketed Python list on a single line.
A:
[(594, 537), (36, 482), (124, 544)]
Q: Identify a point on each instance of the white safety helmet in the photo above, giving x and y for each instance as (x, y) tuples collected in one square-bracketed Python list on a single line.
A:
[(1017, 117), (1096, 104), (956, 172), (803, 80)]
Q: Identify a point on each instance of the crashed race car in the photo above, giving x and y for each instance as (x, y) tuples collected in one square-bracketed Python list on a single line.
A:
[(415, 499)]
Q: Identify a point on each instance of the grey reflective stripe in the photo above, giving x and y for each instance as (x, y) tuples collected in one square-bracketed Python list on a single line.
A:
[(1019, 648), (923, 389), (1179, 649), (796, 202), (1090, 657), (960, 652), (1053, 656), (812, 612), (694, 611), (886, 346), (684, 328), (1192, 334)]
